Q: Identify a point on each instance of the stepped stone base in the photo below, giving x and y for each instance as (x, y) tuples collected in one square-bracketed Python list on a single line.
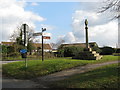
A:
[(88, 54)]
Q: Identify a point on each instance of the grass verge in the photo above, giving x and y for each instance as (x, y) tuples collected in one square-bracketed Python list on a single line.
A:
[(103, 77), (38, 68)]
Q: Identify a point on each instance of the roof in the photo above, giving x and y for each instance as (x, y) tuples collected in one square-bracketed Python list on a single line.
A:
[(46, 46), (6, 43), (80, 44)]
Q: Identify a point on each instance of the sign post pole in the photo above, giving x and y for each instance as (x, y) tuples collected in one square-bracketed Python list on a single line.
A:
[(25, 43), (42, 49), (43, 37), (43, 29)]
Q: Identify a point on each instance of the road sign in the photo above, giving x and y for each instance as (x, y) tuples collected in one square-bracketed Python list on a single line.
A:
[(37, 34), (23, 50), (46, 37)]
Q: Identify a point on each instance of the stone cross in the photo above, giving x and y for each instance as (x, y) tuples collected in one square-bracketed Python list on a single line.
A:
[(86, 28)]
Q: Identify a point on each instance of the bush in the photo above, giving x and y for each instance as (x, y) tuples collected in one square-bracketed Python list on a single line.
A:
[(14, 54), (86, 55), (60, 52), (10, 49), (49, 55), (116, 54), (4, 49), (117, 50), (97, 49), (69, 51), (107, 50)]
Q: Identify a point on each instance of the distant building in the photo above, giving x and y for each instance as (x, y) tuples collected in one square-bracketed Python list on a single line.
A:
[(7, 43), (47, 47), (91, 44)]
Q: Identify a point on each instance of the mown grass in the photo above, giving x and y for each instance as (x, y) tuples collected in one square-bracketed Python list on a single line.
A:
[(38, 68), (33, 57), (11, 58), (103, 77)]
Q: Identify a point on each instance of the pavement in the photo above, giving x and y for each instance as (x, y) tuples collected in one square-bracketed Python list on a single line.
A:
[(42, 82)]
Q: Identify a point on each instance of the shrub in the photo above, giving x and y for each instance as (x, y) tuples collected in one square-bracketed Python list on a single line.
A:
[(10, 49), (60, 52), (69, 51), (107, 50), (14, 54), (117, 50), (86, 55), (97, 49), (4, 49), (116, 54)]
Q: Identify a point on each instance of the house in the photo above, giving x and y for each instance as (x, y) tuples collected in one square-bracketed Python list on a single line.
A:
[(7, 43), (47, 47), (91, 44)]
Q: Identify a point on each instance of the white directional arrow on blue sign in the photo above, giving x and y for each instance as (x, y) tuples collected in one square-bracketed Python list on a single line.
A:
[(23, 50)]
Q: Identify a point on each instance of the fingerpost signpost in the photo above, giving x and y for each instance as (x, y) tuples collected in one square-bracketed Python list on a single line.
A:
[(25, 42), (43, 37)]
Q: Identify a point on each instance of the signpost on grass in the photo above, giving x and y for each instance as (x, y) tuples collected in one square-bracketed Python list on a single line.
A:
[(25, 42), (43, 29), (43, 37)]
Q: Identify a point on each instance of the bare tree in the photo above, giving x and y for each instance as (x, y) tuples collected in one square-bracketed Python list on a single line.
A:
[(112, 6), (17, 38), (17, 32)]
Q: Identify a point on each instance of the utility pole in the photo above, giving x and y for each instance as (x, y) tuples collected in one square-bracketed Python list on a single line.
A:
[(86, 28), (43, 29)]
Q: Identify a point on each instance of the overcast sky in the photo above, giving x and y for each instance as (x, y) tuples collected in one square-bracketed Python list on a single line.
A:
[(63, 20)]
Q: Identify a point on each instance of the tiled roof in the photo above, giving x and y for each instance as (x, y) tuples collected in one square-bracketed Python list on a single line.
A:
[(6, 43), (46, 46), (79, 44)]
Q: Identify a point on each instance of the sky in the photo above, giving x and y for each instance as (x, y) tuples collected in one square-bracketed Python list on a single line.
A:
[(63, 21)]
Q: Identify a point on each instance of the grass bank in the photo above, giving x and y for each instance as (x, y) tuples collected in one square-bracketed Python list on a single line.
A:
[(38, 68), (103, 77)]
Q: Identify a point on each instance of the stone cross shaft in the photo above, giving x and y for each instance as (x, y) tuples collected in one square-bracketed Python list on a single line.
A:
[(86, 28)]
